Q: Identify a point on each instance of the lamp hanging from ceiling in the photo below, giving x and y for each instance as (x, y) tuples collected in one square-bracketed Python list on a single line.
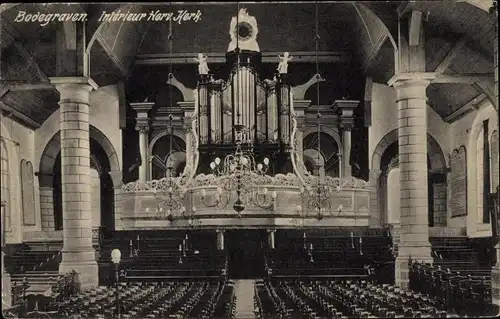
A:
[(316, 196), (167, 191)]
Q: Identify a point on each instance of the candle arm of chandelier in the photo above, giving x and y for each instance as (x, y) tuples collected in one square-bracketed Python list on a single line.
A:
[(220, 199), (269, 200)]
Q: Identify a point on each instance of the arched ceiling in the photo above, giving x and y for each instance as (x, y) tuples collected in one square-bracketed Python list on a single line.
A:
[(365, 30)]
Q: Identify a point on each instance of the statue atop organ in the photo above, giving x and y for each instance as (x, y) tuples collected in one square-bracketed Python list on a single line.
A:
[(283, 65), (202, 64)]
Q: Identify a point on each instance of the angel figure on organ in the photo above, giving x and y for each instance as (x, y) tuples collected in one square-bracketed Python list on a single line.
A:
[(202, 64), (283, 65)]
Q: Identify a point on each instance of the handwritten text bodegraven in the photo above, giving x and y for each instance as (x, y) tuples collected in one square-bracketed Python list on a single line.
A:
[(153, 16)]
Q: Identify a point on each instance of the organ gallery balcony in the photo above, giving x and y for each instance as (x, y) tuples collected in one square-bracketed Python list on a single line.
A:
[(279, 202)]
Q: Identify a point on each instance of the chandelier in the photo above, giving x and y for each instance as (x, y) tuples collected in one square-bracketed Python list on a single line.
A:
[(167, 191), (316, 196), (239, 173)]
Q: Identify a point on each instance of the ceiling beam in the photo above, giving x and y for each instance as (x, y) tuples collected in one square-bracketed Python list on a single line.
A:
[(111, 55), (3, 91), (267, 57), (405, 7), (488, 89), (452, 53), (415, 25), (19, 117), (464, 78), (17, 86), (465, 109)]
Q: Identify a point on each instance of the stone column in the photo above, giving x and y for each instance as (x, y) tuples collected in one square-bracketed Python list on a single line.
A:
[(6, 284), (495, 279), (373, 186), (142, 125), (117, 178), (412, 139), (346, 109), (220, 239), (270, 233), (346, 149), (77, 253)]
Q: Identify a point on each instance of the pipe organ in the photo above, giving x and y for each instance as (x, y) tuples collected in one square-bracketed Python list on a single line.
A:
[(261, 107)]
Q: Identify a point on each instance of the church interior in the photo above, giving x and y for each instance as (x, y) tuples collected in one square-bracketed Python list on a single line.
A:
[(250, 160)]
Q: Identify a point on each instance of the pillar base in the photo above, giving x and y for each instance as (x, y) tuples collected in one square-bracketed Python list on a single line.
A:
[(495, 285), (87, 273), (421, 253), (6, 291)]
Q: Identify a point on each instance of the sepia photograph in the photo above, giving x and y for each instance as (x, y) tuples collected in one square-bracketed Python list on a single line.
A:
[(250, 160)]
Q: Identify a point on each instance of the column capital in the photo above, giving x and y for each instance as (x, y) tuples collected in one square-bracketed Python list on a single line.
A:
[(142, 127), (187, 106), (375, 173), (116, 177), (412, 78), (301, 104), (271, 230), (73, 88), (186, 128), (73, 80), (346, 109), (142, 107), (142, 120), (219, 231), (347, 125)]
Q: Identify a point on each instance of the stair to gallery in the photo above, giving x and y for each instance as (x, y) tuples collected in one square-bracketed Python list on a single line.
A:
[(244, 291)]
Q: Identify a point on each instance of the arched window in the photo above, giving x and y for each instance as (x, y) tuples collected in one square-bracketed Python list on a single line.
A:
[(161, 157), (5, 189), (329, 151)]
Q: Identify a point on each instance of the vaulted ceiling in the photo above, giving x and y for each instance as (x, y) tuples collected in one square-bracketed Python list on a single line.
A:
[(459, 40)]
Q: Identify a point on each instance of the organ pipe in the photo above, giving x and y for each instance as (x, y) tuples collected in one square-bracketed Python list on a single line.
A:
[(262, 107)]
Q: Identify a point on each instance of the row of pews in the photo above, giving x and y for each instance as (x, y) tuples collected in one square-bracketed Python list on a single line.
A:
[(29, 260), (460, 254), (341, 299), (177, 299), (157, 255), (329, 253), (162, 299), (462, 293)]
